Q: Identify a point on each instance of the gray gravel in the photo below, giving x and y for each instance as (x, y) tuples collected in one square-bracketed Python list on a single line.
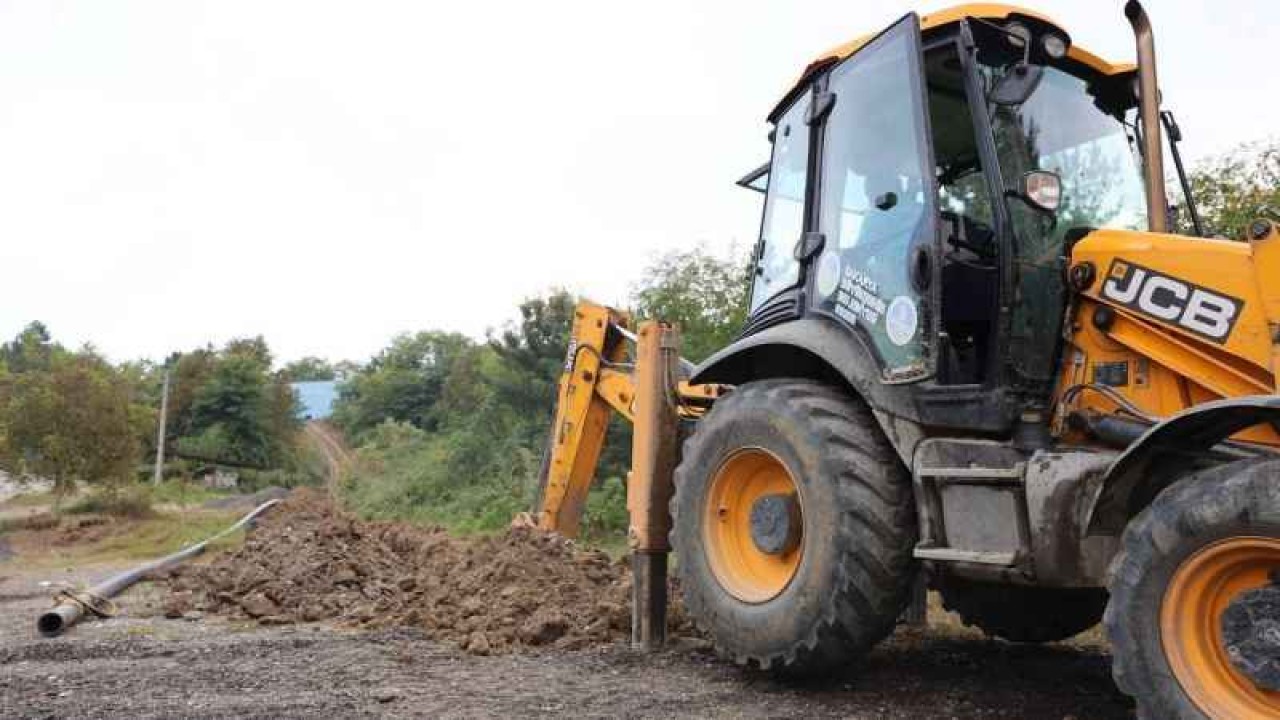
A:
[(142, 666)]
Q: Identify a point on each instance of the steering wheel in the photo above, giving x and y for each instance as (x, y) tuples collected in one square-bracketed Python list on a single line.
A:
[(971, 235)]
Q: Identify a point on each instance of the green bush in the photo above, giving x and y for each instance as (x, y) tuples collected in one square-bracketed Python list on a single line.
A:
[(605, 518), (404, 473), (180, 491), (128, 502)]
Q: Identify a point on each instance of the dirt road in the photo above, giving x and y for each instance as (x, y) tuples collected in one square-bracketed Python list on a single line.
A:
[(332, 446), (144, 666)]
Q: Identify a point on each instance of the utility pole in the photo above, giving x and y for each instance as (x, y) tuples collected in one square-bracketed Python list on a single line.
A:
[(164, 412)]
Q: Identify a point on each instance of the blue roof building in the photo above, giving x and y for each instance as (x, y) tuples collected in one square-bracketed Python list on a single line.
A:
[(317, 398)]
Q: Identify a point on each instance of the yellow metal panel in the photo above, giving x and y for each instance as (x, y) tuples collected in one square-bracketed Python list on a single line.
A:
[(1219, 265), (1169, 369), (1215, 374), (617, 388)]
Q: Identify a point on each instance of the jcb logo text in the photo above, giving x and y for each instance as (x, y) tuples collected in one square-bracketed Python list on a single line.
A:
[(1204, 312)]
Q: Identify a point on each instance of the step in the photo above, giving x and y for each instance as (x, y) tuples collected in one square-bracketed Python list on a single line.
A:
[(940, 554), (978, 475)]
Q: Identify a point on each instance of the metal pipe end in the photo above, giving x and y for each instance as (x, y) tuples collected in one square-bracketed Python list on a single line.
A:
[(51, 624), (62, 616)]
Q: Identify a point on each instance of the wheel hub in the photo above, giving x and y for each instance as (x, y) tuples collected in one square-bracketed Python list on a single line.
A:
[(1218, 626), (753, 525), (1251, 634), (775, 523)]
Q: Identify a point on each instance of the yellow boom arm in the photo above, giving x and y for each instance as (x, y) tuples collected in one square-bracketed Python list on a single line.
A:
[(598, 378)]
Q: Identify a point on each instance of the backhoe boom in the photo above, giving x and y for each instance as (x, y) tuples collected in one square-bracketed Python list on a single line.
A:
[(599, 377)]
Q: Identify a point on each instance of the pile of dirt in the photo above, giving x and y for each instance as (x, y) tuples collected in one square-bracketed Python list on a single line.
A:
[(308, 560)]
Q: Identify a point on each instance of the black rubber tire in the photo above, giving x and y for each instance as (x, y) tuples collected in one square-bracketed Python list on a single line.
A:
[(856, 570), (1023, 614), (1241, 498)]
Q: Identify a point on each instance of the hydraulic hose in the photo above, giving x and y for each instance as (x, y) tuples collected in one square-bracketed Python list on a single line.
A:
[(72, 604)]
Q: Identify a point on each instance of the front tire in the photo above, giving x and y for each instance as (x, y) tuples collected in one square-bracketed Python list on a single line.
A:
[(1204, 545), (827, 567)]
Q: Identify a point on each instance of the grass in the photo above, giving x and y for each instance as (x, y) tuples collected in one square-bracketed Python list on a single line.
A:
[(33, 521), (166, 533), (92, 540), (133, 524), (125, 503), (30, 499), (179, 492)]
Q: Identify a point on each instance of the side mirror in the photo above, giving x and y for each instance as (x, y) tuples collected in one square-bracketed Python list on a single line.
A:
[(1014, 87), (1043, 190)]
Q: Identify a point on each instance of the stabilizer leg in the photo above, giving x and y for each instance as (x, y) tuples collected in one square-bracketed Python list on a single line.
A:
[(649, 488)]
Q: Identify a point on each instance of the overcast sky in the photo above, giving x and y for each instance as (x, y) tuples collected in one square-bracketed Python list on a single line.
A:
[(328, 174)]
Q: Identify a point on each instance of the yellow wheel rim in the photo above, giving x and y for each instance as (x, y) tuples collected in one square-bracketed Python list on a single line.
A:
[(743, 569), (1191, 625)]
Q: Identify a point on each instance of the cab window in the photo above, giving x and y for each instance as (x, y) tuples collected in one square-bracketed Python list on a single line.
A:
[(877, 203), (776, 267)]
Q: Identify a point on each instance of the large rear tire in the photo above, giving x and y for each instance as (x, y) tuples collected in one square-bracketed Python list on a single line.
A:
[(1023, 614), (1206, 550), (826, 569)]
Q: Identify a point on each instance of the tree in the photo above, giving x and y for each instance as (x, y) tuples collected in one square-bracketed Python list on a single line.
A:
[(189, 373), (229, 407), (705, 295), (403, 382), (532, 353), (32, 349), (1236, 188), (308, 369), (254, 348), (229, 413), (74, 422)]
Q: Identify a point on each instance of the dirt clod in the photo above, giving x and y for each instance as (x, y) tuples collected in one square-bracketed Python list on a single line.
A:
[(257, 605), (308, 560)]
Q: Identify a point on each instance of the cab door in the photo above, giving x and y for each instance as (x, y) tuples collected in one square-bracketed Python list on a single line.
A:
[(877, 271)]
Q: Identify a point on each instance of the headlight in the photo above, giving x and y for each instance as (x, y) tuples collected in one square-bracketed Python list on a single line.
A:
[(1020, 35), (1055, 46)]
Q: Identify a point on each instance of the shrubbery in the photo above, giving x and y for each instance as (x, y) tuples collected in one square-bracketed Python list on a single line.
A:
[(452, 432)]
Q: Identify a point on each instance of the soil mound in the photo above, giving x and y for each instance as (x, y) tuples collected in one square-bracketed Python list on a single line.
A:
[(308, 560)]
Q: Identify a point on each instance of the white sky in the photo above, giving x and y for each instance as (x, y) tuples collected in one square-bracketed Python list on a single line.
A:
[(328, 174)]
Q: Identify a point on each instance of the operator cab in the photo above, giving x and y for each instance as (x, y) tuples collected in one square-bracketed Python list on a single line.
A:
[(925, 186)]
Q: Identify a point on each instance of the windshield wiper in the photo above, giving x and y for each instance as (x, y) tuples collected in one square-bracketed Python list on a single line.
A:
[(1175, 137)]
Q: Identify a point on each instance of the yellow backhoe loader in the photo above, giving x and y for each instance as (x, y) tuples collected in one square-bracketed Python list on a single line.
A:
[(975, 353)]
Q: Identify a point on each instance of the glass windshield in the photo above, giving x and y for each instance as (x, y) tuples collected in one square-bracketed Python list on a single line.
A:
[(776, 266), (1064, 129)]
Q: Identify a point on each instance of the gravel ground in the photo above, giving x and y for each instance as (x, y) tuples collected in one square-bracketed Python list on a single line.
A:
[(142, 666)]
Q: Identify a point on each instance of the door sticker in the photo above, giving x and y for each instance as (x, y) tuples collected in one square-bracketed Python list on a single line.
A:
[(901, 321), (858, 299), (828, 273)]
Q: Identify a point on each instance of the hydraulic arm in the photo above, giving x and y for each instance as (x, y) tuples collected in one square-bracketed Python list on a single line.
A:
[(646, 385), (600, 376)]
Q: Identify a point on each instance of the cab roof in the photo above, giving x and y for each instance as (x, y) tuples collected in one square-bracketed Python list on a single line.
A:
[(942, 18)]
